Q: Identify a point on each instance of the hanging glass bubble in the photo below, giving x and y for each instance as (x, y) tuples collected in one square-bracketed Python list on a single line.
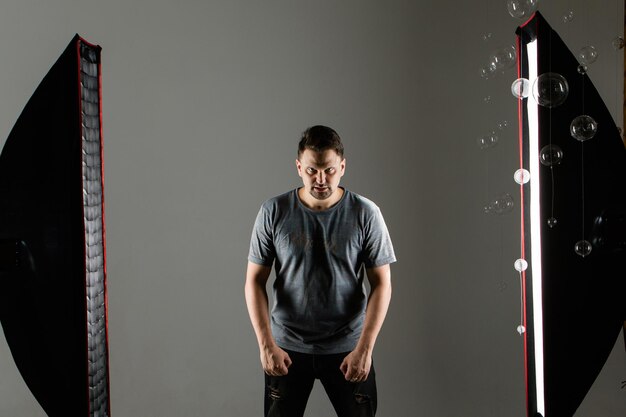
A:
[(582, 248), (521, 88), (482, 142), (487, 99), (551, 155), (618, 43), (487, 208), (588, 55), (502, 204), (521, 176), (550, 89), (583, 128), (502, 124), (582, 69), (487, 36), (521, 329), (522, 9), (568, 17), (503, 58), (487, 141), (520, 265), (488, 71), (493, 138), (551, 222)]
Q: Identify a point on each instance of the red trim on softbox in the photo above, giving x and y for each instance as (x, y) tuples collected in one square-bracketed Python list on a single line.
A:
[(104, 266), (80, 127), (104, 250)]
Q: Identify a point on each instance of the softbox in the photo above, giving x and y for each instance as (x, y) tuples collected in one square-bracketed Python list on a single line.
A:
[(53, 299)]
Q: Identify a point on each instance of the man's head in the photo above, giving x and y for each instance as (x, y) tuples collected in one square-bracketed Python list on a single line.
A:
[(321, 165), (320, 138)]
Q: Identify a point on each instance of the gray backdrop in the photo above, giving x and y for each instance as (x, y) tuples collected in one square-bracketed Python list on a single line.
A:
[(204, 102)]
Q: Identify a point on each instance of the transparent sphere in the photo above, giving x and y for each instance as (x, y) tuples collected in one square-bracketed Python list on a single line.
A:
[(552, 222), (503, 58), (582, 69), (583, 128), (521, 329), (520, 265), (488, 71), (487, 99), (550, 155), (582, 248), (487, 141), (521, 88), (588, 55), (550, 89), (503, 124), (618, 43), (521, 176), (487, 36), (487, 209), (568, 16), (522, 9), (503, 204)]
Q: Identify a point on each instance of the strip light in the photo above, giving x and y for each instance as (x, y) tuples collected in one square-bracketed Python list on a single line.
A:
[(535, 229)]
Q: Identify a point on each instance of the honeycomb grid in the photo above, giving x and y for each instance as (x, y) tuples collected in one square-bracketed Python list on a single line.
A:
[(94, 235)]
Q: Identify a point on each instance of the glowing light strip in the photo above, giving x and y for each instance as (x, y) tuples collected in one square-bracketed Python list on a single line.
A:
[(535, 229)]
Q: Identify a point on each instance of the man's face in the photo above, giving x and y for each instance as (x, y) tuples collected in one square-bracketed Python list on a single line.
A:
[(320, 172)]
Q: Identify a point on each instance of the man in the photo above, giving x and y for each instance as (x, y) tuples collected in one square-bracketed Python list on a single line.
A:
[(322, 239)]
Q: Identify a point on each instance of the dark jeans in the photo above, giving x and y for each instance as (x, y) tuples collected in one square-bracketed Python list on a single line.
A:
[(286, 396)]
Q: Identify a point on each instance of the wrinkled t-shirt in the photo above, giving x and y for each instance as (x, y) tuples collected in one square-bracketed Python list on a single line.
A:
[(319, 259)]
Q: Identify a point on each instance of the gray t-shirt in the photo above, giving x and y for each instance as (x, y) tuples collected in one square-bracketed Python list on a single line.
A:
[(320, 259)]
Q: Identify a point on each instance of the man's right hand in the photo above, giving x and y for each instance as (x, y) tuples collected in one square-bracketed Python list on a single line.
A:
[(275, 361)]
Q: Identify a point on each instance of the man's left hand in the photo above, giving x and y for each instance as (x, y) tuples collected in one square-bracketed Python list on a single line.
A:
[(356, 365)]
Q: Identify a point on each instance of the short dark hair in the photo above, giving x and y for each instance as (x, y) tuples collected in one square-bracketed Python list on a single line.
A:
[(319, 139)]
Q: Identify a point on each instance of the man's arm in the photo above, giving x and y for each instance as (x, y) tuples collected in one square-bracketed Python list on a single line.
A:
[(356, 366), (274, 360)]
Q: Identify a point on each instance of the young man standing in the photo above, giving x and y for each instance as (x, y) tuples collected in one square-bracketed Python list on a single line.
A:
[(322, 240)]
